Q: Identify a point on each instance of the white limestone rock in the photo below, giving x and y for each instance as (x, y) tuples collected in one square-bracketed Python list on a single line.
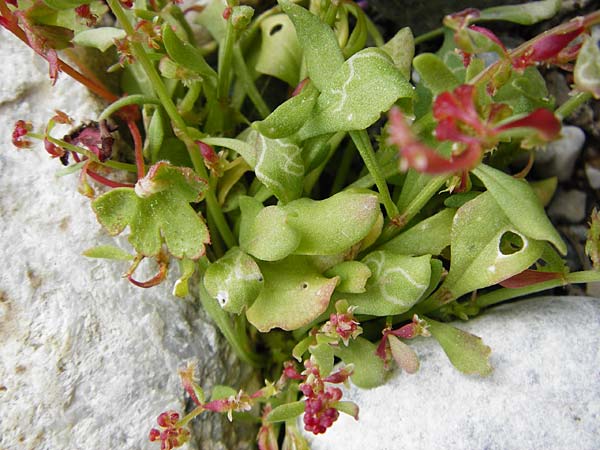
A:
[(544, 393), (87, 361)]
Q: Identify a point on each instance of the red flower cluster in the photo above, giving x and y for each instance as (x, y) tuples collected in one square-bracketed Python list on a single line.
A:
[(20, 132), (342, 324), (172, 435), (320, 411), (460, 122)]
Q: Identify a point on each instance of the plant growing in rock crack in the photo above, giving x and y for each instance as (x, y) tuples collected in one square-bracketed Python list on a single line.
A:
[(245, 171)]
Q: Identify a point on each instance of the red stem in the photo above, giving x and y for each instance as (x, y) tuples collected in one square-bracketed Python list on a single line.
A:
[(95, 87), (137, 141), (105, 181)]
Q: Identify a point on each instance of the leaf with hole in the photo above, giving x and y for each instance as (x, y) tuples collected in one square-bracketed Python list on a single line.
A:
[(486, 247), (280, 53), (520, 205)]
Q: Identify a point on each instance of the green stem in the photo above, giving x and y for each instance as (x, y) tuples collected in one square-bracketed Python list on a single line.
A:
[(140, 55), (239, 342), (188, 101), (244, 76), (413, 208), (504, 294), (387, 170), (180, 127), (363, 144), (571, 105), (83, 151), (429, 35), (342, 171), (225, 61)]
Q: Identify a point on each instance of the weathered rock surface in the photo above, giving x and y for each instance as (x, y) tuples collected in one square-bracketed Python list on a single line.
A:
[(87, 361), (544, 393)]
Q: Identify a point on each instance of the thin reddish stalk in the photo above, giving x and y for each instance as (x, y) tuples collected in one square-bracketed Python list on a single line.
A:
[(585, 21), (93, 86), (105, 181), (138, 148)]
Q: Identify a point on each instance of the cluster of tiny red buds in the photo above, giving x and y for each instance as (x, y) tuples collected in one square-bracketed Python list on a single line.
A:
[(20, 132), (151, 32), (85, 12), (171, 434), (342, 323), (124, 51), (320, 410)]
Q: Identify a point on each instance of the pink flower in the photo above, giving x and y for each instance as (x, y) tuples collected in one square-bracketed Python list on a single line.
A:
[(20, 132), (459, 121), (171, 434)]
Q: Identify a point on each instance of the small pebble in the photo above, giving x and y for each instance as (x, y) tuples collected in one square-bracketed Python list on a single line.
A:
[(593, 175), (568, 206), (559, 158)]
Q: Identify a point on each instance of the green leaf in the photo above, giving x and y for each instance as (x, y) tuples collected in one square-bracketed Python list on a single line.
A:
[(465, 351), (434, 73), (330, 226), (401, 49), (181, 287), (275, 232), (220, 392), (158, 212), (286, 412), (396, 284), (322, 53), (302, 347), (280, 54), (211, 18), (347, 407), (66, 4), (289, 117), (404, 355), (156, 133), (322, 353), (369, 370), (187, 55), (478, 231), (265, 232), (365, 86), (587, 66), (520, 204), (100, 38), (234, 280), (278, 166), (294, 294), (108, 252), (353, 276), (428, 237), (524, 92), (523, 14)]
